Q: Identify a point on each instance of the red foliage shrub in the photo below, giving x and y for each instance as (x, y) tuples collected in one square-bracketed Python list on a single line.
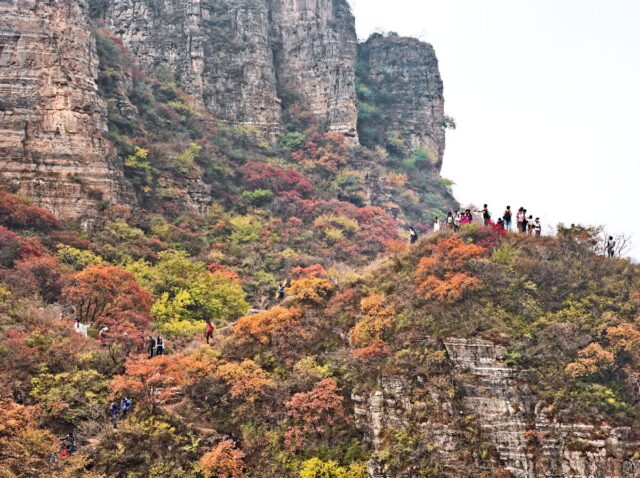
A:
[(442, 275), (314, 413), (216, 268), (376, 350), (278, 180), (40, 274), (14, 212), (315, 271)]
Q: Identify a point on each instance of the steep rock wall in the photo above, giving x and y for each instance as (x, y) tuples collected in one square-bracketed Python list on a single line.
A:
[(218, 51), (315, 50), (53, 129), (527, 441), (236, 56), (404, 78)]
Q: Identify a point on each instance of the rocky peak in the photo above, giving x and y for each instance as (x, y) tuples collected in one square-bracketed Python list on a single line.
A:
[(401, 82)]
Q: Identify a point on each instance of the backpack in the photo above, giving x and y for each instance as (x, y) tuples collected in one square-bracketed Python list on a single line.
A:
[(507, 215)]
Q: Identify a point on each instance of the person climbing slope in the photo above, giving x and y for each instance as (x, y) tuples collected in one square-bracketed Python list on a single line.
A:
[(114, 412), (413, 235), (208, 331)]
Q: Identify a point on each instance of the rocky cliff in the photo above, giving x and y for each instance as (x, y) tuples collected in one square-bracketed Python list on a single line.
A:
[(243, 59), (400, 82), (53, 146), (515, 427)]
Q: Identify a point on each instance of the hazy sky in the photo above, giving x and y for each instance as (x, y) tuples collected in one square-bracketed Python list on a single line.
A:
[(546, 94)]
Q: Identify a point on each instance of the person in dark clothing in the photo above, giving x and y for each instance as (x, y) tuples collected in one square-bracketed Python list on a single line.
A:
[(151, 347), (208, 331), (159, 346), (114, 413), (506, 217), (611, 247), (125, 405), (413, 235), (486, 215)]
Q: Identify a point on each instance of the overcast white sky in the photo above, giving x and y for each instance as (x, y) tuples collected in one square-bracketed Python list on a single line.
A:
[(546, 94)]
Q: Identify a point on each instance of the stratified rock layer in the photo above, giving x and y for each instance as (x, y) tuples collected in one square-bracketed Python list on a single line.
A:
[(405, 77), (315, 51), (235, 57), (528, 443), (219, 52), (53, 128)]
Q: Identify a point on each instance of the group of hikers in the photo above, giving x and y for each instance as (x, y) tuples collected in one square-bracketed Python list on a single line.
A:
[(155, 347), (525, 223), (119, 411)]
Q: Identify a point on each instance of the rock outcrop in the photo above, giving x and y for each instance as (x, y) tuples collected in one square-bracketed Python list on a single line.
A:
[(404, 78), (315, 52), (527, 442), (241, 59), (53, 128)]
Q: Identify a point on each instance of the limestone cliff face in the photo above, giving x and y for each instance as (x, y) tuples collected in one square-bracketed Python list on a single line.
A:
[(218, 51), (53, 145), (404, 79), (315, 51), (527, 441), (235, 57)]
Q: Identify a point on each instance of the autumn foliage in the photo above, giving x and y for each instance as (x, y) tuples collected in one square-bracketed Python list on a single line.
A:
[(107, 295), (247, 382), (223, 461), (156, 381), (442, 275), (24, 448), (377, 318), (311, 290), (314, 413)]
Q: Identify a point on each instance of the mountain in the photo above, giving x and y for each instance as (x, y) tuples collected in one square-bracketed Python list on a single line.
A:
[(165, 164)]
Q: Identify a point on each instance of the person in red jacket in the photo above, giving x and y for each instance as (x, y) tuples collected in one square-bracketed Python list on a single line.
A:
[(208, 331)]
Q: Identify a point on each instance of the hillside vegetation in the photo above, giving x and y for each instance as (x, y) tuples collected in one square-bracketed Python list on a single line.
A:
[(280, 382)]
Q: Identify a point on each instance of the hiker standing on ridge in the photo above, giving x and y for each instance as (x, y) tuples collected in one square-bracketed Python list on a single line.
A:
[(413, 235), (281, 288), (486, 215), (537, 227), (506, 217), (208, 331), (457, 219), (611, 247), (436, 225), (449, 220), (521, 219)]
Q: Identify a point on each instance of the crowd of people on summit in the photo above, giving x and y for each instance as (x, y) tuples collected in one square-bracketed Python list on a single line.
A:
[(526, 224)]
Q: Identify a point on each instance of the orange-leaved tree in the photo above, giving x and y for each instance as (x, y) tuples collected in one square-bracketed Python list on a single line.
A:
[(315, 413), (312, 291), (24, 448), (156, 381), (223, 461), (106, 295), (377, 319), (442, 275), (279, 328), (247, 382)]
